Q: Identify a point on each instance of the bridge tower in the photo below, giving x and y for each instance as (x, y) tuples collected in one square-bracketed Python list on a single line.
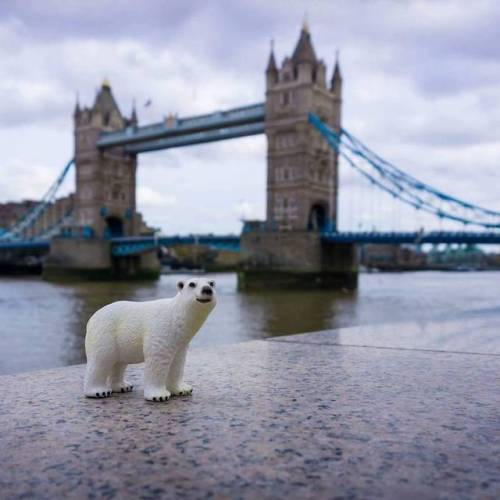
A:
[(105, 201), (302, 181), (105, 180), (301, 168)]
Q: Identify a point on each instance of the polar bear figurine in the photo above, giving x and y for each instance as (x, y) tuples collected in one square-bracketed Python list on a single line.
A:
[(157, 332)]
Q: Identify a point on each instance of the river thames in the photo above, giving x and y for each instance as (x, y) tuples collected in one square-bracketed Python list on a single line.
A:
[(43, 324)]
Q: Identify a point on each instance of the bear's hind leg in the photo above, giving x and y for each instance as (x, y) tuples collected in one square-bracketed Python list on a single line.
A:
[(156, 368), (118, 384), (96, 380)]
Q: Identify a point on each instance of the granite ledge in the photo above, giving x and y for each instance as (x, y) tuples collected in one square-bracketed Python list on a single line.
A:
[(267, 420)]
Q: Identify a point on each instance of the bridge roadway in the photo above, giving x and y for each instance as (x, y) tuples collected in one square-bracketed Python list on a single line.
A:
[(415, 238), (134, 245), (128, 246)]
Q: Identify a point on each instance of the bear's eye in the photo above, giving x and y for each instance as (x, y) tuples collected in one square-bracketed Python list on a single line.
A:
[(192, 284), (212, 283)]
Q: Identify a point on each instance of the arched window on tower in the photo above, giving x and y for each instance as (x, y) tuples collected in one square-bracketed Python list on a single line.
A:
[(318, 218), (285, 98), (116, 191)]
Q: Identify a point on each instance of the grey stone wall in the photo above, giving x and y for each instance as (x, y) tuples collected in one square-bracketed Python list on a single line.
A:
[(295, 259), (302, 178), (105, 180), (284, 251), (79, 253)]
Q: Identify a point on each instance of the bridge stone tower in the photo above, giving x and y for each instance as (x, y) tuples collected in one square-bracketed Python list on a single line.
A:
[(302, 182), (105, 180), (301, 168), (105, 202)]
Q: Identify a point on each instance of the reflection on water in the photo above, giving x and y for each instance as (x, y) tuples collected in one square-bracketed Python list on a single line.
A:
[(43, 324)]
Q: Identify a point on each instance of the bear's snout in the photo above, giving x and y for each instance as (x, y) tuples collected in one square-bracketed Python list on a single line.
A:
[(207, 290)]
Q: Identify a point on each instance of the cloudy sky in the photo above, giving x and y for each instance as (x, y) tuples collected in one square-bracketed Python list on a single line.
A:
[(421, 87)]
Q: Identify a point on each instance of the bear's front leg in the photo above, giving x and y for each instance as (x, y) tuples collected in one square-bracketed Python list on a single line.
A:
[(175, 383), (155, 370), (118, 384)]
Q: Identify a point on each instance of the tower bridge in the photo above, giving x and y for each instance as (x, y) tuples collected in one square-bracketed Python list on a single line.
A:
[(101, 232)]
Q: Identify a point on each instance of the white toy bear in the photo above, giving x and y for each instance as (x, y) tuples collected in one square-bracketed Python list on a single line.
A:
[(157, 332)]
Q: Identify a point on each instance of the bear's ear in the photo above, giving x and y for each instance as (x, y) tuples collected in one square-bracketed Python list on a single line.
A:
[(180, 285)]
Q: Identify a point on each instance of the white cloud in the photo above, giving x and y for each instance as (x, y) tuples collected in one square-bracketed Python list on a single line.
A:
[(147, 197), (420, 81), (245, 210)]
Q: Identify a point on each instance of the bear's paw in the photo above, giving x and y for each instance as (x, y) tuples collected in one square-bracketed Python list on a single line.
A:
[(123, 387), (157, 395), (98, 392), (181, 390)]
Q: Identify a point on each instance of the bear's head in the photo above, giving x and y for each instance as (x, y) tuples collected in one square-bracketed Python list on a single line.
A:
[(198, 291)]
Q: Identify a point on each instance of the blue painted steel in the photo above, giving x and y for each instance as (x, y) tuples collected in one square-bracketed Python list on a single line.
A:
[(136, 245), (253, 114), (132, 248), (24, 245), (397, 174), (77, 232), (30, 217), (460, 237), (402, 186), (55, 229), (220, 134)]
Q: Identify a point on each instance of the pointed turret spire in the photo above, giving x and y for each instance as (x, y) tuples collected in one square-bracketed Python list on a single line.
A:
[(272, 69), (305, 24), (105, 108), (271, 65), (77, 105), (336, 83), (104, 100), (133, 116), (304, 50)]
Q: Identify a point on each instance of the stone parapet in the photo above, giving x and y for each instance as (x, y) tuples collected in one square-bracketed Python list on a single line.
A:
[(286, 418)]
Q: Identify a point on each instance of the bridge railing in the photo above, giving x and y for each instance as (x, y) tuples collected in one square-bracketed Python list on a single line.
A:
[(138, 244), (205, 136), (415, 237)]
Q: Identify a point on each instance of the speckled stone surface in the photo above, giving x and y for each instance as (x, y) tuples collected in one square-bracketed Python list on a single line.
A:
[(268, 419), (479, 335)]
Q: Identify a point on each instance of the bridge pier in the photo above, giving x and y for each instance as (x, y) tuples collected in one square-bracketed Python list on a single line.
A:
[(26, 260), (295, 260), (91, 259), (287, 251)]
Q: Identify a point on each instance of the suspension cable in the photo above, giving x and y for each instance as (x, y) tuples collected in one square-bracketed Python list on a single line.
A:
[(30, 216)]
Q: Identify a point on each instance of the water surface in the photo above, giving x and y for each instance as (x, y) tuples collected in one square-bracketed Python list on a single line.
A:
[(42, 325)]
